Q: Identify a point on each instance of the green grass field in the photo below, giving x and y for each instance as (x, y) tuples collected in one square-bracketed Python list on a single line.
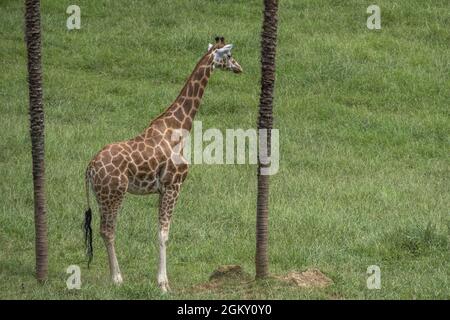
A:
[(364, 124)]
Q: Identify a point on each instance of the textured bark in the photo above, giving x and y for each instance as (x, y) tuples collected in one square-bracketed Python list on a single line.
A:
[(265, 120), (36, 113)]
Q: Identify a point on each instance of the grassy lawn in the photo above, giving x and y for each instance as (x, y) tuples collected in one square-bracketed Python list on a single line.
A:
[(364, 124)]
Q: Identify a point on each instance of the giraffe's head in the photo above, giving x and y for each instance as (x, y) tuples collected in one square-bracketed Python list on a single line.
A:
[(222, 56)]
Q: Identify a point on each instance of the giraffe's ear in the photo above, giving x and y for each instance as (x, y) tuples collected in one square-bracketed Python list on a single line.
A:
[(210, 46)]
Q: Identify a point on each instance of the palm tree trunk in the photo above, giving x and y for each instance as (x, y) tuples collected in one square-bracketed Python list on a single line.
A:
[(33, 41), (265, 120)]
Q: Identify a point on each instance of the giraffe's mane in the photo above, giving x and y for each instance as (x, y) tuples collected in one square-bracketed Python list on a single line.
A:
[(186, 83)]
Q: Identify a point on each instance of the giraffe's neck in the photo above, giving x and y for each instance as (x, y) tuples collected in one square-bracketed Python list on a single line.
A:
[(185, 106)]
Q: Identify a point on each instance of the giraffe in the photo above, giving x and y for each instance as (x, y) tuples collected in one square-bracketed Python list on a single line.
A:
[(145, 164)]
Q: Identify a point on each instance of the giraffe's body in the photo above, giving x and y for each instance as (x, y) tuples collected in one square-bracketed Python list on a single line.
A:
[(146, 163)]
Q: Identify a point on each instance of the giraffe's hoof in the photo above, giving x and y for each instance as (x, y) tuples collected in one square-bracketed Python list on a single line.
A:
[(117, 279), (164, 286)]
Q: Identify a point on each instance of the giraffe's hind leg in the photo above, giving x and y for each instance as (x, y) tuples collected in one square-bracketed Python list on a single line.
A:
[(109, 208)]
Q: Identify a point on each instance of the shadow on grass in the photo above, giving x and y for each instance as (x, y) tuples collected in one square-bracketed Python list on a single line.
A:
[(14, 268), (413, 242)]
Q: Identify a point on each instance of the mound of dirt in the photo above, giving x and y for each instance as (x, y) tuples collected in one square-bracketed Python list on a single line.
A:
[(311, 278), (233, 277)]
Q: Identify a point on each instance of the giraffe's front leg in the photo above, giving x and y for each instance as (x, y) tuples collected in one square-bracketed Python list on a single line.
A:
[(167, 201)]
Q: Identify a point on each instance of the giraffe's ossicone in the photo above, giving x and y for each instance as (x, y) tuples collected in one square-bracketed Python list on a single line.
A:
[(145, 164)]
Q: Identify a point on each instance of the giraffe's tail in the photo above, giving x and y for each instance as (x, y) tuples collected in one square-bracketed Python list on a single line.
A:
[(87, 221)]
